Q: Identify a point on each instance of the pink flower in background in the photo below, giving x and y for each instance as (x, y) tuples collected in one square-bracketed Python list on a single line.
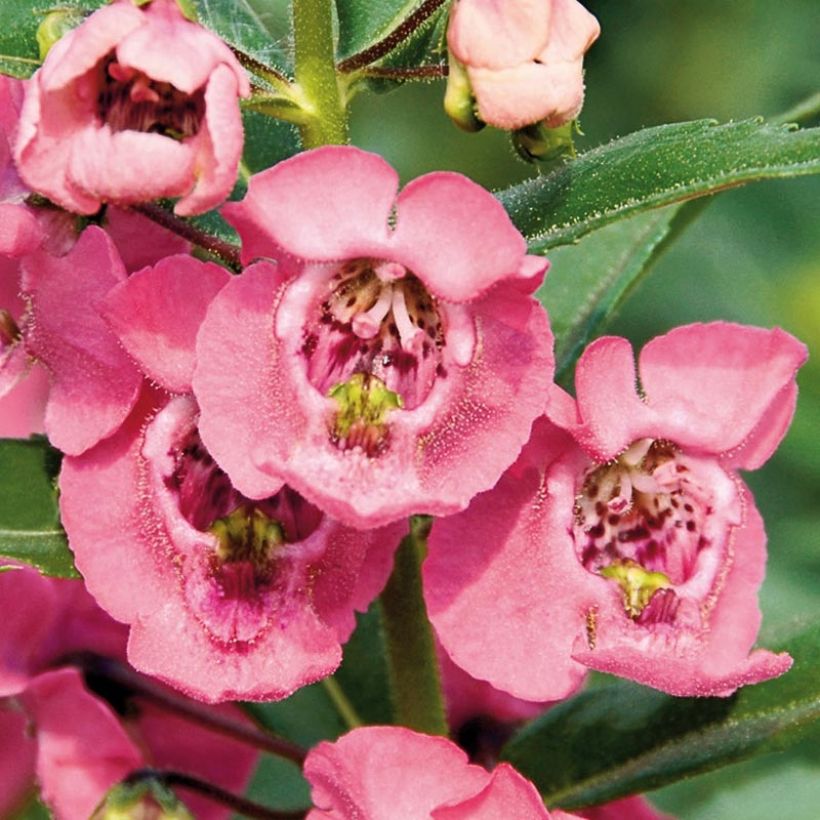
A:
[(80, 733), (394, 360), (628, 542), (524, 60), (135, 103), (386, 772), (94, 384), (228, 597)]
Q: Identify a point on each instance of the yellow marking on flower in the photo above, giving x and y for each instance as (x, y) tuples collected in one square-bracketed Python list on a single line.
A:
[(361, 420), (246, 534), (637, 583)]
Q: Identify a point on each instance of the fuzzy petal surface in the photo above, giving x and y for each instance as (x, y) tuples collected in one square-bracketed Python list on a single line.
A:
[(338, 203), (139, 240), (82, 750), (455, 237), (720, 659), (215, 631), (496, 34), (17, 760), (156, 314), (489, 604), (507, 794), (381, 773), (94, 384)]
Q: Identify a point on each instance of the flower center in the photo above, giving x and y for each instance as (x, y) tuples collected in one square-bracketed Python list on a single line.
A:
[(643, 521), (128, 100), (246, 530)]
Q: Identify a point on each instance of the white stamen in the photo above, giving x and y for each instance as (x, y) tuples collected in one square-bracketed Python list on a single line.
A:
[(410, 335), (366, 325)]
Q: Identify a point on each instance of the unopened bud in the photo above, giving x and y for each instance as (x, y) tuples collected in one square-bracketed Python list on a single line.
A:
[(537, 143), (459, 102), (147, 799), (56, 24)]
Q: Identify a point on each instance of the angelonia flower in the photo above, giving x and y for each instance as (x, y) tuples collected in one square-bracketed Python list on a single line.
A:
[(78, 732), (135, 103), (385, 772), (623, 539), (517, 64), (229, 597), (393, 361)]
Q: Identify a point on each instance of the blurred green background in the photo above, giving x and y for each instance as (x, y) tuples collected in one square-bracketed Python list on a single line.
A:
[(753, 256)]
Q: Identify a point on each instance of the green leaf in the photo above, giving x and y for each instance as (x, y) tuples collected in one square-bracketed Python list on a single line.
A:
[(588, 281), (364, 22), (19, 52), (30, 528), (260, 28), (652, 168), (622, 739)]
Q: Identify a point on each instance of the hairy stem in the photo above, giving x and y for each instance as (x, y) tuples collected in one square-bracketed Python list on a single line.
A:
[(138, 685), (239, 804), (411, 654), (399, 34), (315, 72), (225, 251)]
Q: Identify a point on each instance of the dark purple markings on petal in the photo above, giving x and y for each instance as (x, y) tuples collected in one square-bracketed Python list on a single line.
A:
[(640, 520), (205, 494), (381, 321), (127, 100)]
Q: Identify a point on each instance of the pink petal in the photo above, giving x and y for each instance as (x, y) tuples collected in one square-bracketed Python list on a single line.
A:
[(19, 230), (17, 758), (48, 124), (724, 387), (490, 604), (612, 413), (628, 808), (82, 750), (387, 772), (719, 663), (156, 314), (238, 411), (81, 49), (139, 240), (330, 203), (22, 410), (94, 384), (24, 626), (455, 236), (497, 34), (170, 49), (103, 542), (129, 166), (518, 96), (180, 745), (506, 795), (218, 145)]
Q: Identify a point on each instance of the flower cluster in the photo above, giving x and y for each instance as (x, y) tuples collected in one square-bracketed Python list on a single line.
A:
[(242, 450)]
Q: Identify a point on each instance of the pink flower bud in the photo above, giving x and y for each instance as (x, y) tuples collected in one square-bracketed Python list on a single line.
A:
[(524, 60), (134, 104)]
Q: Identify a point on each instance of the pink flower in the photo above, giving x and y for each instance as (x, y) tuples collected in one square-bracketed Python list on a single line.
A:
[(228, 597), (81, 733), (524, 60), (94, 384), (628, 543), (135, 103), (385, 772), (17, 760), (394, 360)]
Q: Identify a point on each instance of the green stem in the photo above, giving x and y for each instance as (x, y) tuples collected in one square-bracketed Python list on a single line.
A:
[(411, 654), (315, 73), (341, 702)]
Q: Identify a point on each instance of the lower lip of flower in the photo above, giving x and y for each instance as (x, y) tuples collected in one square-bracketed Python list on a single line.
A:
[(647, 521)]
